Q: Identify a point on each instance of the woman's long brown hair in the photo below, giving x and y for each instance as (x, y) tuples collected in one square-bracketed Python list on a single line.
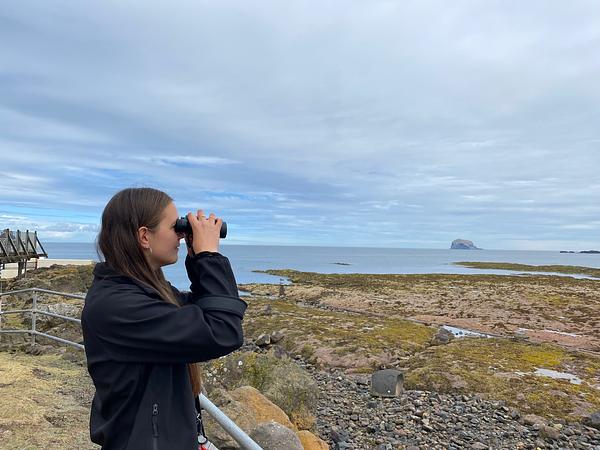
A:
[(124, 214)]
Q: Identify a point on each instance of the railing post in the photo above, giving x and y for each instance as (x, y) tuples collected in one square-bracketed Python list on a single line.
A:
[(33, 317), (1, 297)]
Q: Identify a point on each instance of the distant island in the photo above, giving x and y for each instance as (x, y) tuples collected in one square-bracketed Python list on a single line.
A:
[(593, 252), (463, 244)]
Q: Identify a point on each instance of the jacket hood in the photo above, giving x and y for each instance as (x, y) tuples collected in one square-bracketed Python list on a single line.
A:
[(103, 270)]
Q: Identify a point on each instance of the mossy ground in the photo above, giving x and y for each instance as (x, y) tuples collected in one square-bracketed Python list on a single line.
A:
[(499, 304), (504, 370), (487, 366), (336, 338)]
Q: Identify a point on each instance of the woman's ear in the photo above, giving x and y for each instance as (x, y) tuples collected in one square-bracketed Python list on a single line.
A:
[(143, 237)]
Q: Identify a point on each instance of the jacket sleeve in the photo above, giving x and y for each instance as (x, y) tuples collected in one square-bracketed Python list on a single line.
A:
[(142, 328), (210, 273)]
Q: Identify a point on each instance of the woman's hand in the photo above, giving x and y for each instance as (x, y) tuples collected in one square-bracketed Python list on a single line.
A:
[(205, 232)]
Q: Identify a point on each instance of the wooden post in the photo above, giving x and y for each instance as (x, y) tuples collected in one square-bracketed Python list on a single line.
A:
[(281, 289)]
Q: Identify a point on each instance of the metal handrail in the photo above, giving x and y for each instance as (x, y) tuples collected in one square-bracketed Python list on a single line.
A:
[(34, 311), (220, 417), (45, 291), (227, 424)]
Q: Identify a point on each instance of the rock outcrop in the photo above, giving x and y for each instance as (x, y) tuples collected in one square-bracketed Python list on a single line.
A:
[(68, 278), (281, 380), (262, 408)]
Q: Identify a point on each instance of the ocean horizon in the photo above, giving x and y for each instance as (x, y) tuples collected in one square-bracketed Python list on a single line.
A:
[(246, 259)]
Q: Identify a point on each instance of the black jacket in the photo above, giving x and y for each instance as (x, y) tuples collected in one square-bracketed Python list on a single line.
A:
[(138, 346)]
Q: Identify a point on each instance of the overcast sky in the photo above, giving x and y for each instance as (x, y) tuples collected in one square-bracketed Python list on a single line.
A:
[(359, 123)]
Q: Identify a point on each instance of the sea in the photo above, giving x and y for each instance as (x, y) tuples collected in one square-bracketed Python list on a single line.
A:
[(246, 260)]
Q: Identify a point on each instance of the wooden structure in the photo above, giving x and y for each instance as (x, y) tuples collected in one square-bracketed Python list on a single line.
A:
[(19, 247)]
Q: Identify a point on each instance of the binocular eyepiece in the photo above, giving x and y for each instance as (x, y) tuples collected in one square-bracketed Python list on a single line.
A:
[(183, 226)]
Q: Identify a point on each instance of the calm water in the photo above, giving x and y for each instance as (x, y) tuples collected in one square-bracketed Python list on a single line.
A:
[(247, 258)]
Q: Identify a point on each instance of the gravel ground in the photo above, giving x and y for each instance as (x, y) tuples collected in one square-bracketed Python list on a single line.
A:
[(349, 417)]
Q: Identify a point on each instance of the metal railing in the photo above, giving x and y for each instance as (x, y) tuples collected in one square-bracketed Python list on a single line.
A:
[(34, 311), (219, 416)]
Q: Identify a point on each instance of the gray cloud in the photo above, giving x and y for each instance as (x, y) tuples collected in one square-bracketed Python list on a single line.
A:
[(306, 124)]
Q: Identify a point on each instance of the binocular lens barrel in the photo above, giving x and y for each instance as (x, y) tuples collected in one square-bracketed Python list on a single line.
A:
[(183, 226)]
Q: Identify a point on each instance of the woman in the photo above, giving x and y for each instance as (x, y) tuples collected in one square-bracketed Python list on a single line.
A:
[(142, 336)]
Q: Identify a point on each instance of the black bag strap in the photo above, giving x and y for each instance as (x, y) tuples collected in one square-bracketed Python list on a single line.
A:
[(199, 425)]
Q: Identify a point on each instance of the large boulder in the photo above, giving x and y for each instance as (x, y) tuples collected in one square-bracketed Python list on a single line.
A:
[(281, 380), (260, 406), (296, 392), (274, 436), (236, 411)]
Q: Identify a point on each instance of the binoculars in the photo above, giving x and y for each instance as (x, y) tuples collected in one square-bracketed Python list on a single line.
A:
[(183, 226)]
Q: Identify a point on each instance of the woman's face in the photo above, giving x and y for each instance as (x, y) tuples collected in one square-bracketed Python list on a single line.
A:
[(164, 241)]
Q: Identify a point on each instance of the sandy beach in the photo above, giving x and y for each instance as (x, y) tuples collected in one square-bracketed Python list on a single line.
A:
[(10, 271)]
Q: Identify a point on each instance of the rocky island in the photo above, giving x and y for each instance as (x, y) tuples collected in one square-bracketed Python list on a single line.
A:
[(463, 244)]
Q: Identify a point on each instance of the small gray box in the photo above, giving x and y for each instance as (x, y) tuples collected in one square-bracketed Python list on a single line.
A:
[(387, 383)]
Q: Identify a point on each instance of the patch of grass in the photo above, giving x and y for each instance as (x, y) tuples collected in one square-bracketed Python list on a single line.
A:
[(49, 403)]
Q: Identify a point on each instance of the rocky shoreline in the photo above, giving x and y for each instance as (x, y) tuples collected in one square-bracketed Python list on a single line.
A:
[(349, 417), (458, 393)]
